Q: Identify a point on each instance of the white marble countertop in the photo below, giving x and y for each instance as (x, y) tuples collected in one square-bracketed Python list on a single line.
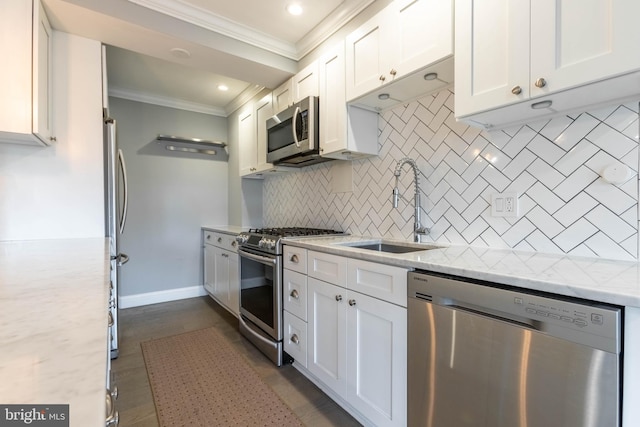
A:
[(228, 229), (610, 281), (53, 325)]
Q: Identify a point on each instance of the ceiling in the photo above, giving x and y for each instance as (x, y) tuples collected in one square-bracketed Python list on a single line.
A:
[(177, 52)]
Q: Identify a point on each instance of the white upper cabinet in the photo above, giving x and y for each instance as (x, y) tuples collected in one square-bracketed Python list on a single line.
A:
[(538, 56), (25, 79), (263, 110), (305, 82), (282, 96), (345, 132), (248, 153), (405, 37), (252, 139)]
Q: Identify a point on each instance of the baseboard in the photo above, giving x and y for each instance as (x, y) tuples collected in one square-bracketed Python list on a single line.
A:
[(160, 296)]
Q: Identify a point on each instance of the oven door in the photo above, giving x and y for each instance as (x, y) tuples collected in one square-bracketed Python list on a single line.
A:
[(261, 291)]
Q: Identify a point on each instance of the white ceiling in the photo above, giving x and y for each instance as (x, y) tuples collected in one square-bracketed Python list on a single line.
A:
[(244, 44)]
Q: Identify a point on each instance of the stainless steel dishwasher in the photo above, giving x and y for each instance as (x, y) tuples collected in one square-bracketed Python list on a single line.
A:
[(483, 355)]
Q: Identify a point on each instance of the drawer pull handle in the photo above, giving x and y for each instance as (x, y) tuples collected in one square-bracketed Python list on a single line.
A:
[(352, 302), (294, 258), (382, 78), (295, 339), (338, 298), (517, 90), (294, 294)]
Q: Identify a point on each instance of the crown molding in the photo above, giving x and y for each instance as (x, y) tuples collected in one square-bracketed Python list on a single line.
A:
[(244, 97), (166, 102), (326, 28), (219, 24)]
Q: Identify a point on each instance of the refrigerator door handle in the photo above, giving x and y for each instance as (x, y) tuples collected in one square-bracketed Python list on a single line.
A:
[(125, 204), (122, 259)]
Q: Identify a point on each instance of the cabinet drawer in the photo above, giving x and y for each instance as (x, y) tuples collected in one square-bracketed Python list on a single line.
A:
[(295, 259), (326, 267), (294, 294), (295, 338), (381, 281), (221, 240)]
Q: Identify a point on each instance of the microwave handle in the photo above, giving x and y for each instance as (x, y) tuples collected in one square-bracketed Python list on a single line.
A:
[(293, 128)]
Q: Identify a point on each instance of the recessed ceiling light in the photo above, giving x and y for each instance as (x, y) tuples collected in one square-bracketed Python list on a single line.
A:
[(180, 53), (294, 9), (223, 87)]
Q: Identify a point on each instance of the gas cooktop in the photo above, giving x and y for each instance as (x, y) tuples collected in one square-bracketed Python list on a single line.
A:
[(268, 239)]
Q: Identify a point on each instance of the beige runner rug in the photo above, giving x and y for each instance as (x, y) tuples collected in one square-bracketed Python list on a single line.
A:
[(198, 379)]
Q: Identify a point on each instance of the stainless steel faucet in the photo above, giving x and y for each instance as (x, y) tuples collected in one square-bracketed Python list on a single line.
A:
[(418, 229)]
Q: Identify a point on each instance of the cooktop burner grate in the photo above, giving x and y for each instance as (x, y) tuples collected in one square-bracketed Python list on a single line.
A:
[(294, 231)]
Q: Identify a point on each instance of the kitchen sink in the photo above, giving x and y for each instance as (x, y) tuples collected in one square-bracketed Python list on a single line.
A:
[(390, 247)]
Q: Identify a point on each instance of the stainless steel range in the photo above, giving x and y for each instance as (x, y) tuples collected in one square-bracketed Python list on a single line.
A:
[(260, 253)]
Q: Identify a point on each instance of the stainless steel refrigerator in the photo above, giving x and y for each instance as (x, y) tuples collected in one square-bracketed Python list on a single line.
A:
[(115, 217)]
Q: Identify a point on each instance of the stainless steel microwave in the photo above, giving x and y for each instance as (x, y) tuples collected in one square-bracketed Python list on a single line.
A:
[(292, 135)]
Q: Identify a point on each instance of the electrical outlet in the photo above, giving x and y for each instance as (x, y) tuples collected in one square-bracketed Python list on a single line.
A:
[(504, 204)]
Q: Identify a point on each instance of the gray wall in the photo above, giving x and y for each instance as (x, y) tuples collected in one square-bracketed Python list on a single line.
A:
[(170, 197)]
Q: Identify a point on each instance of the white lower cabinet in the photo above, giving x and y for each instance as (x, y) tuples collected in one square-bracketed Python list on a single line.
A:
[(327, 352), (221, 275), (356, 343), (377, 359)]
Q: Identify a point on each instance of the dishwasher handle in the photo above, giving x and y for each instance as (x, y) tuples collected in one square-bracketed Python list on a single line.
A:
[(497, 316)]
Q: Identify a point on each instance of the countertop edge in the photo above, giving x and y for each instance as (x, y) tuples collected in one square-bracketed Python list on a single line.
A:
[(600, 280)]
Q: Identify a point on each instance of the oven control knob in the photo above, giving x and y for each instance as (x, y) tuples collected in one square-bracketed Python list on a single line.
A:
[(242, 238), (270, 244)]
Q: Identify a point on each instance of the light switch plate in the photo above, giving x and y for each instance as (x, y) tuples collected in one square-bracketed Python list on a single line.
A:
[(504, 204)]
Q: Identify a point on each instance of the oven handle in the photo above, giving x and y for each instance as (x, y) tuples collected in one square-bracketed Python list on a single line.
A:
[(258, 258), (257, 335)]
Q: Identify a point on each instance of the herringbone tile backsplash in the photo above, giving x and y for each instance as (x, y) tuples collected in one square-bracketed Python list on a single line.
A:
[(554, 166)]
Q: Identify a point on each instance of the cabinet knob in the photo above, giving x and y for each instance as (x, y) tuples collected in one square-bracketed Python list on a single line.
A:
[(53, 138), (219, 239), (517, 90), (393, 72), (294, 258), (338, 297), (352, 302), (295, 339), (208, 236), (294, 294), (541, 82), (382, 78), (234, 243)]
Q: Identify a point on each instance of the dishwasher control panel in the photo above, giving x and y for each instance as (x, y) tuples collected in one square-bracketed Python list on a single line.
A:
[(581, 316)]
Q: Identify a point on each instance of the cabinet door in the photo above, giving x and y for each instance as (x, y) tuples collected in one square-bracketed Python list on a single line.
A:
[(333, 106), (247, 142), (326, 346), (42, 89), (424, 34), (221, 285), (377, 359), (305, 82), (209, 268), (492, 54), (263, 110), (234, 283), (574, 42), (282, 97), (366, 66)]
